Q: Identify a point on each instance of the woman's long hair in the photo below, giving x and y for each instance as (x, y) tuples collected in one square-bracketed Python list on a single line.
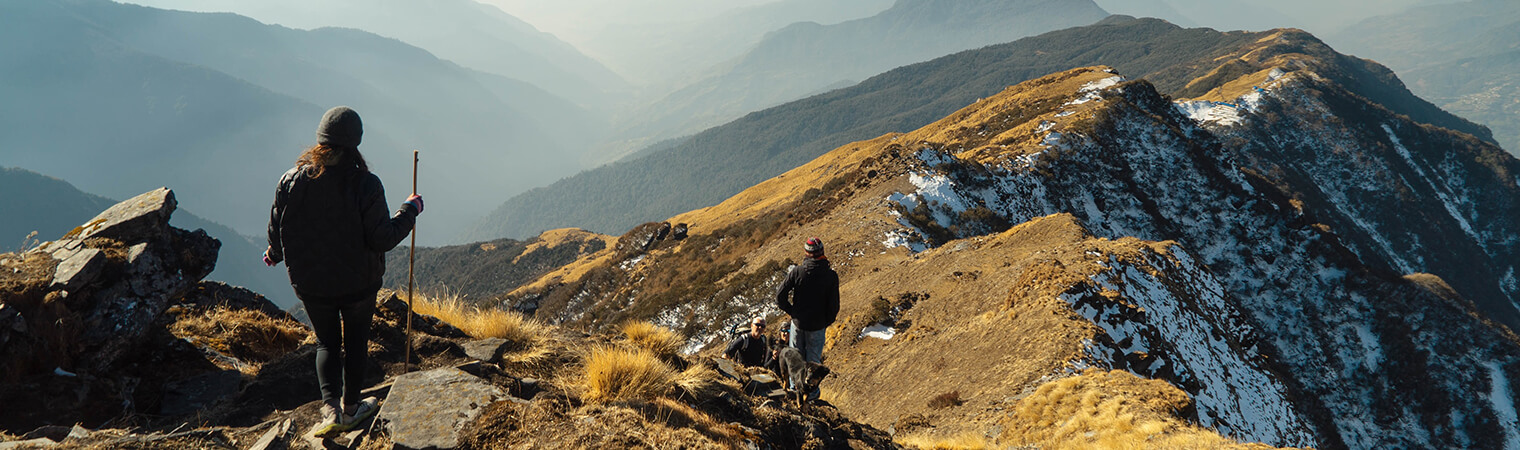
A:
[(319, 156)]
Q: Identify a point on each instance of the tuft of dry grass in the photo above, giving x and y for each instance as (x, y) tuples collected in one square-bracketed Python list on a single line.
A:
[(963, 441), (614, 374), (1113, 409), (700, 382), (656, 339), (480, 323), (248, 335)]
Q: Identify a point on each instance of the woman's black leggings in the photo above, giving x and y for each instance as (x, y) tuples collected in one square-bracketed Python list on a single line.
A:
[(342, 327)]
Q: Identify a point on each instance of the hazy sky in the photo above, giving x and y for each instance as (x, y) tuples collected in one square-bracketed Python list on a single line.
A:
[(577, 21)]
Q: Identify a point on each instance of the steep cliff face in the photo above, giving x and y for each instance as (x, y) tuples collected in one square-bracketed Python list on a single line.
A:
[(1192, 242)]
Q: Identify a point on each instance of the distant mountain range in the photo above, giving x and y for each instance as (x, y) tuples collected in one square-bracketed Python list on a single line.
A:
[(218, 105), (51, 207), (469, 33), (668, 53), (807, 58), (1464, 56), (708, 167)]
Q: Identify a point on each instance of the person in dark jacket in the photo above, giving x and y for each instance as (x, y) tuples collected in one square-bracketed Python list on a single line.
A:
[(751, 349), (810, 294), (331, 227)]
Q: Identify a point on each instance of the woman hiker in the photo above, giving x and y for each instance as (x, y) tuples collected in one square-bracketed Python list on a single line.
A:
[(331, 227)]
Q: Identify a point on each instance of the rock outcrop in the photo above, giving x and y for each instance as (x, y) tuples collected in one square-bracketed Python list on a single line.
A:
[(112, 277)]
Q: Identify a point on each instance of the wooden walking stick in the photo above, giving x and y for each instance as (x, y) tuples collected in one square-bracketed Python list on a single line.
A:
[(411, 263)]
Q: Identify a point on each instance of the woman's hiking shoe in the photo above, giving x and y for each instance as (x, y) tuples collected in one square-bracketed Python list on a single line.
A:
[(362, 411), (331, 425)]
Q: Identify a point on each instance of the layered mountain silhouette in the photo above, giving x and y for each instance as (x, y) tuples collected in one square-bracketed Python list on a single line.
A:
[(1461, 56), (1239, 246), (220, 115), (665, 54), (469, 33), (807, 58)]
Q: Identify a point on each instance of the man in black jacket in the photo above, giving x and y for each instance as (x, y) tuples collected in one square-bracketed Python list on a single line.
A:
[(810, 294), (751, 349)]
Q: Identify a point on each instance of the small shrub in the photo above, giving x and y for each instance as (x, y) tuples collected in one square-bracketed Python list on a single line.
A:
[(981, 220), (620, 374), (881, 310), (655, 339), (946, 400)]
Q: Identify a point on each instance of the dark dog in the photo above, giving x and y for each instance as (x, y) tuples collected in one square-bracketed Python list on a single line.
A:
[(801, 376)]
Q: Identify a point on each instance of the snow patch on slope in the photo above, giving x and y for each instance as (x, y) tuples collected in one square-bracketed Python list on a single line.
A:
[(1186, 332), (1093, 90), (1504, 405), (1446, 200), (1208, 111)]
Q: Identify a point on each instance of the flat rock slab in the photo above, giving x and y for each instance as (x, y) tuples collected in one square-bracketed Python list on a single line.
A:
[(133, 220), (426, 410), (81, 268), (488, 350)]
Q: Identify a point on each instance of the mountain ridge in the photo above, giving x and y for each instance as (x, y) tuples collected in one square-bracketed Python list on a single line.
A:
[(765, 143), (800, 59), (1239, 282)]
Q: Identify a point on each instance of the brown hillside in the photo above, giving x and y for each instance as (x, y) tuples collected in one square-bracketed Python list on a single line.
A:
[(982, 317)]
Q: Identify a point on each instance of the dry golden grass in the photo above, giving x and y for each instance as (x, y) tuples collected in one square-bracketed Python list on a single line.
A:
[(656, 339), (1115, 410), (248, 335), (480, 323), (700, 382), (963, 441), (614, 374)]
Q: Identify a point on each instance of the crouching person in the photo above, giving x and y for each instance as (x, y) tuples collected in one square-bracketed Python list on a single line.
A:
[(752, 349)]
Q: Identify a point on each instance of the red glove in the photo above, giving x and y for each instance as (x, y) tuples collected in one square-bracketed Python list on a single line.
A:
[(416, 201)]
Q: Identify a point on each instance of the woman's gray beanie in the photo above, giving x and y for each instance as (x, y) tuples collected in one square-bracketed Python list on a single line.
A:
[(340, 127)]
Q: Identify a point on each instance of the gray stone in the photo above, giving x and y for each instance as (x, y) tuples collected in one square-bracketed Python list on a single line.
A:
[(427, 409), (274, 439), (199, 392), (136, 219), (79, 433), (80, 269), (488, 350)]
